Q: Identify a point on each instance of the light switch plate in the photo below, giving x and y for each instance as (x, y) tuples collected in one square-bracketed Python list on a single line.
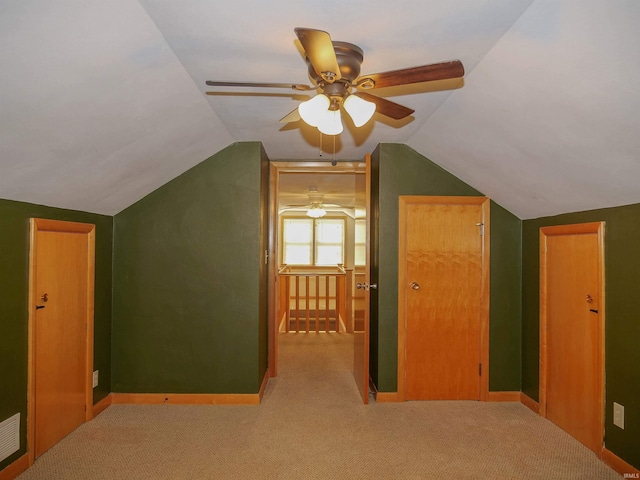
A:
[(95, 378), (618, 415)]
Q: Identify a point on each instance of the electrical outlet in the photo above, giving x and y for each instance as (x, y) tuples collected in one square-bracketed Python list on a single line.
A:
[(95, 378), (618, 415)]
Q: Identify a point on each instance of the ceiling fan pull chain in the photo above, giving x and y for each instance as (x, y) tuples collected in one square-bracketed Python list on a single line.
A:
[(333, 162)]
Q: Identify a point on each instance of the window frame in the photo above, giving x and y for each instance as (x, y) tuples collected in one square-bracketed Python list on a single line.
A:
[(314, 243)]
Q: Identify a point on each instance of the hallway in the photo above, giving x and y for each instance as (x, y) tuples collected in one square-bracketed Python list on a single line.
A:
[(314, 369)]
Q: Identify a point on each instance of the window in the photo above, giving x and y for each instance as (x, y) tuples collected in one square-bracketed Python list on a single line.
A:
[(360, 242), (329, 241), (309, 241), (298, 241)]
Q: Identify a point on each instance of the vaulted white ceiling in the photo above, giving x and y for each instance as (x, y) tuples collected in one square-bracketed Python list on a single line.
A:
[(103, 102)]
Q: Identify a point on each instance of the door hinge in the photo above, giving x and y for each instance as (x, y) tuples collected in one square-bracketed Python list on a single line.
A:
[(481, 225), (266, 256), (480, 369)]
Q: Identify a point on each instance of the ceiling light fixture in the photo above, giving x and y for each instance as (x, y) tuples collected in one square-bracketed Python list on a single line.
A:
[(313, 110), (324, 113), (316, 211), (359, 110), (331, 123)]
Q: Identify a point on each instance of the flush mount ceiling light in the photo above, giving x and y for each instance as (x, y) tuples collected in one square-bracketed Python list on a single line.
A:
[(334, 70)]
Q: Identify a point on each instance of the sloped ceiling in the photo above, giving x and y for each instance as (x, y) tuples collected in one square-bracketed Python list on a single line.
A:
[(103, 102)]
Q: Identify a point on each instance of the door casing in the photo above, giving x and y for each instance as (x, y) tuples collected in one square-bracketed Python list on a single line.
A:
[(275, 168), (484, 203), (38, 225)]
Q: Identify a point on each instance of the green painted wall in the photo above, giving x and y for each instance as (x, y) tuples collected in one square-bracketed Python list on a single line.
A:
[(14, 289), (505, 332), (622, 321), (403, 171), (188, 281)]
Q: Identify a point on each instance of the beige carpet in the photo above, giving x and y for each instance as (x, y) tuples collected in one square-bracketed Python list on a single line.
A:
[(312, 425)]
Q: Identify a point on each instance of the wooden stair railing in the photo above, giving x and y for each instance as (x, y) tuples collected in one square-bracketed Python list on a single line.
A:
[(311, 299)]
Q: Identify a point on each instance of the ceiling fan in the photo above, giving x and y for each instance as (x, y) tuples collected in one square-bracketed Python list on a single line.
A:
[(315, 205), (334, 69)]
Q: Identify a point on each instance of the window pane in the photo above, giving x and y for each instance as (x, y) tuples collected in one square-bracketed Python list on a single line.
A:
[(298, 241), (360, 235), (329, 241), (361, 230), (330, 231), (328, 255), (297, 254), (298, 230)]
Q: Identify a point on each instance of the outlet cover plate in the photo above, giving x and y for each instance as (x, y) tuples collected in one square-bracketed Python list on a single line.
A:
[(95, 378)]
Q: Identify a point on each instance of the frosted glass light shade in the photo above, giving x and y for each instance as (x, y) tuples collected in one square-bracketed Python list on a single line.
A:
[(359, 110), (331, 123), (313, 110), (316, 212)]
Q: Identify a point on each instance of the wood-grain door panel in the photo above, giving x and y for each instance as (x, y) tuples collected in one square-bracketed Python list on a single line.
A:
[(572, 303), (442, 286), (60, 337), (61, 330), (362, 296)]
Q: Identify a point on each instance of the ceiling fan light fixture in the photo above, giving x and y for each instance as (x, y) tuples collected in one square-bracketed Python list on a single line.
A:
[(334, 68), (359, 110), (331, 123), (313, 111), (316, 212)]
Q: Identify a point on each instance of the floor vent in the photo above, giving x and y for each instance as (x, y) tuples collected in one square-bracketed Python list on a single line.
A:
[(9, 436)]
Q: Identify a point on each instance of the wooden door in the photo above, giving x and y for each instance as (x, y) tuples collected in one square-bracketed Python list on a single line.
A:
[(62, 293), (572, 325), (442, 293), (362, 296)]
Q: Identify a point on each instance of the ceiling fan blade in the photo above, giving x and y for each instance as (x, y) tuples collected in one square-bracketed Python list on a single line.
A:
[(294, 86), (386, 107), (405, 76), (292, 116), (318, 46)]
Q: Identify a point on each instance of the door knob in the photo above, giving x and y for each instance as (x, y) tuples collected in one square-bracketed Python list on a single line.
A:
[(45, 298), (415, 285)]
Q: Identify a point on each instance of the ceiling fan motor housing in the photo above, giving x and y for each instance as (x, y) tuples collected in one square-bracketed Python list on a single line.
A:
[(349, 57)]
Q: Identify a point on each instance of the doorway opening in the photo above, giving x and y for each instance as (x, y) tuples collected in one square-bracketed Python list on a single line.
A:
[(316, 244)]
